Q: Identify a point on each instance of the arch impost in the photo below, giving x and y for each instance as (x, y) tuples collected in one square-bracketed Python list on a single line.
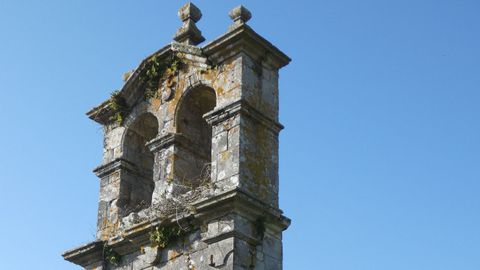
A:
[(114, 166), (167, 140), (162, 142), (177, 139), (241, 107)]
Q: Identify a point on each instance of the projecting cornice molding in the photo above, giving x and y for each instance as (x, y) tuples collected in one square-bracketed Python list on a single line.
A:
[(86, 254), (233, 201), (113, 166), (241, 107), (244, 39)]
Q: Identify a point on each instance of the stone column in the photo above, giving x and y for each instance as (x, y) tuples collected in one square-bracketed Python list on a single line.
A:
[(163, 149)]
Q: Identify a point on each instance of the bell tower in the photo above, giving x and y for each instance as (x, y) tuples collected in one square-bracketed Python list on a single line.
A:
[(189, 178)]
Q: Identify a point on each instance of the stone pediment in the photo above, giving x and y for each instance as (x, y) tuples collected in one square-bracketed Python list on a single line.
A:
[(239, 39), (133, 91)]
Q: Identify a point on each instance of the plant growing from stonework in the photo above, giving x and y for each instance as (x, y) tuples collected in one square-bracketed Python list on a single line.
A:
[(154, 70), (110, 255), (127, 75), (119, 107), (162, 236)]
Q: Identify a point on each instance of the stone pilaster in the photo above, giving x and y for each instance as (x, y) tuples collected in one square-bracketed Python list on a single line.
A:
[(109, 210)]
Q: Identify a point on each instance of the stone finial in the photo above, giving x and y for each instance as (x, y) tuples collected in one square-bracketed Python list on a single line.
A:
[(189, 11), (240, 15), (188, 33)]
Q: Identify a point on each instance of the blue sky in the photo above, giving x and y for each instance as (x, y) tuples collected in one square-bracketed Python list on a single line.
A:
[(380, 154)]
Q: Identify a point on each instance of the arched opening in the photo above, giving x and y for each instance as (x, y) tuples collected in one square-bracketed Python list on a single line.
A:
[(136, 187), (193, 157)]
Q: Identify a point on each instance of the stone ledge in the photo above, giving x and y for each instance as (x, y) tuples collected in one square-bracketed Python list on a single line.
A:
[(230, 234), (244, 108), (86, 254), (101, 113), (234, 201), (177, 139), (113, 166), (244, 38), (162, 142)]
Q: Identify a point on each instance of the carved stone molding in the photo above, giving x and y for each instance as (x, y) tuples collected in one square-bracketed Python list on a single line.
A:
[(241, 107), (113, 166)]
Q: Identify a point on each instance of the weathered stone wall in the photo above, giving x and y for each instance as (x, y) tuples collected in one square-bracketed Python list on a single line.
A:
[(215, 245), (199, 154)]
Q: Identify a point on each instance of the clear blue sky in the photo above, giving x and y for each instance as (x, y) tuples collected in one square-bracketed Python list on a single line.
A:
[(380, 154)]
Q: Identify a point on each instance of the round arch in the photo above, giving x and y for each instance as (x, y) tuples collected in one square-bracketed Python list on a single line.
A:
[(194, 155), (136, 186)]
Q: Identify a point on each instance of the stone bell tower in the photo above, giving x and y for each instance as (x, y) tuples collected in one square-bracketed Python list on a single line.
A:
[(189, 178)]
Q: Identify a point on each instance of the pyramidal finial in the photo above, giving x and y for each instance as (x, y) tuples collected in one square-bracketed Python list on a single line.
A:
[(189, 33), (240, 15)]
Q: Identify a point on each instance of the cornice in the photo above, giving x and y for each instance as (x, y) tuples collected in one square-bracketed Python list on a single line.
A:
[(233, 201), (241, 107), (113, 166), (86, 254), (244, 38)]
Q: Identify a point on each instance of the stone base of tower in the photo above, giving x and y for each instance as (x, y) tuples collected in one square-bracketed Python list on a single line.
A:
[(230, 231)]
